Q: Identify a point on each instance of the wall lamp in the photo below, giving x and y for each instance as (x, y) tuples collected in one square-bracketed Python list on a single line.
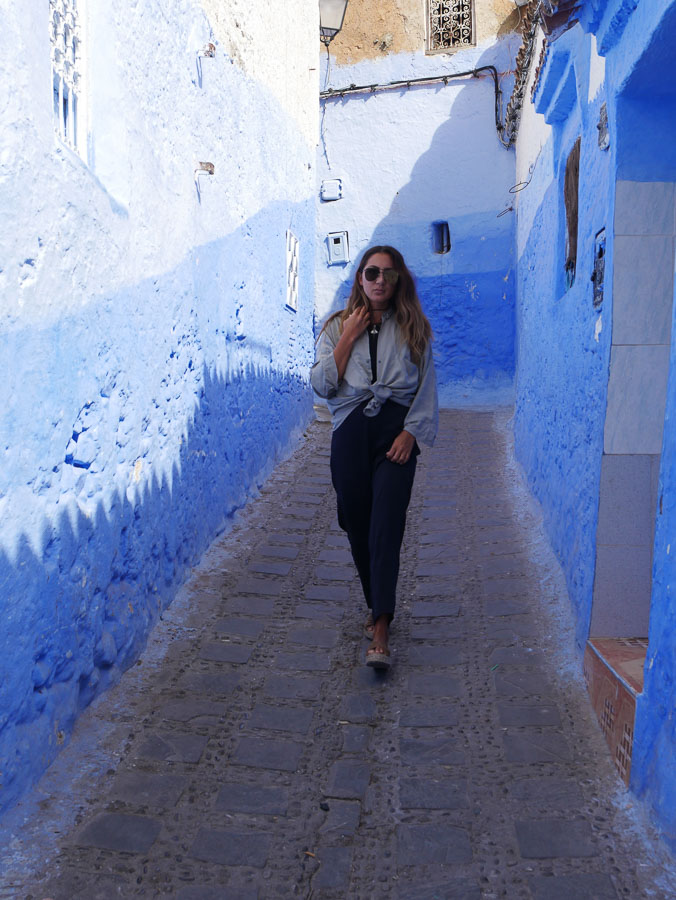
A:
[(331, 15)]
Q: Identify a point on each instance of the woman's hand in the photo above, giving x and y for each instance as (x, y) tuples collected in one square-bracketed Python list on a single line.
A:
[(401, 449), (353, 327), (356, 323)]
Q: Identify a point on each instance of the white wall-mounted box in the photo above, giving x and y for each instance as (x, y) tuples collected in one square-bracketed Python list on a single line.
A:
[(339, 251), (331, 189)]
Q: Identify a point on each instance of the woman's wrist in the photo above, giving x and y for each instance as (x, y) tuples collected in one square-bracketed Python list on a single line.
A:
[(347, 339)]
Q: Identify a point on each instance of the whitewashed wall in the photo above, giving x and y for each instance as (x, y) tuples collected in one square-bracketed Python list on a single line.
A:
[(152, 372)]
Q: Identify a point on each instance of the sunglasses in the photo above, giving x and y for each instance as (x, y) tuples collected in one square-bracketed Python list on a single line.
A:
[(391, 276)]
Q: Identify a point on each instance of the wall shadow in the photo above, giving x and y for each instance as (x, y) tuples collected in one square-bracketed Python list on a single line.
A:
[(136, 429), (103, 579), (462, 177)]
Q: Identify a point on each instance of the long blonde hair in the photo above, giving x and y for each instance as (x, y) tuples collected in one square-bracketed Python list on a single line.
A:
[(408, 313)]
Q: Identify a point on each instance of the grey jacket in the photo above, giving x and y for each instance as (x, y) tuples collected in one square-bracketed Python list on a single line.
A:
[(399, 379)]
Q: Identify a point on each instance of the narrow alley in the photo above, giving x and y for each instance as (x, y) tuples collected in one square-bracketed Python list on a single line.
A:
[(250, 753)]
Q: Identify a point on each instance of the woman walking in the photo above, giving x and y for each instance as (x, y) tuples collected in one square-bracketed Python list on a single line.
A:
[(374, 368)]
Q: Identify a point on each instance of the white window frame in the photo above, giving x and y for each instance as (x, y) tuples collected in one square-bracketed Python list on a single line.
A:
[(67, 48), (429, 6), (292, 254)]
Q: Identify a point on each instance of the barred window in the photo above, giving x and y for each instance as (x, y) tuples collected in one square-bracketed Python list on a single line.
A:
[(450, 25), (66, 45)]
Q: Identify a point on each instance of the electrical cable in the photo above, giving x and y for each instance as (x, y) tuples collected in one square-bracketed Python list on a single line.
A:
[(328, 67), (516, 188), (506, 129), (513, 113), (321, 124), (333, 93)]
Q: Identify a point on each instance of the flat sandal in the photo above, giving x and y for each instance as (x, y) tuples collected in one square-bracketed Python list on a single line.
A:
[(378, 658)]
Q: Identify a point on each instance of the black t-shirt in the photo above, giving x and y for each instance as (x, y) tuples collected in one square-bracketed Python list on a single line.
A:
[(373, 350)]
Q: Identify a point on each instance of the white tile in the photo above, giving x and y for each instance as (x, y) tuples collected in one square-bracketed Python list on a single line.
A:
[(644, 207), (626, 507), (622, 584), (636, 398), (643, 289)]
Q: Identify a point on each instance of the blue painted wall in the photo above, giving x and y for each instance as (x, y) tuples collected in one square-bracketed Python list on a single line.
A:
[(647, 107), (562, 369), (409, 158), (653, 773), (563, 345), (134, 446), (140, 411)]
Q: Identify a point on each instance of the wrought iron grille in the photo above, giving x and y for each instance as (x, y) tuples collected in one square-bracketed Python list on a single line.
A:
[(66, 43), (450, 24)]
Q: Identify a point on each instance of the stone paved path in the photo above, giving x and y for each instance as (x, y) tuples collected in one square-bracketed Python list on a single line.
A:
[(260, 758)]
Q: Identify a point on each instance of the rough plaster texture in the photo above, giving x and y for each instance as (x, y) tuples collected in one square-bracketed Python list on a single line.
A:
[(372, 28), (564, 345), (152, 371), (562, 354), (275, 47), (562, 357), (407, 159)]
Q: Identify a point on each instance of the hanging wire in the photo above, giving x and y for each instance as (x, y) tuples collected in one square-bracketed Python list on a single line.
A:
[(328, 67), (321, 127), (520, 186), (516, 189), (531, 23)]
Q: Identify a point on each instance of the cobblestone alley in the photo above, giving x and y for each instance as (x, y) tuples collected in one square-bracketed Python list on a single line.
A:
[(251, 753)]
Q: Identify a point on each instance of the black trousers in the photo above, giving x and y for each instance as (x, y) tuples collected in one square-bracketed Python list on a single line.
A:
[(373, 495)]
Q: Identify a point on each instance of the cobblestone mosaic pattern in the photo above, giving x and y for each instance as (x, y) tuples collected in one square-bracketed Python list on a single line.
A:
[(262, 759)]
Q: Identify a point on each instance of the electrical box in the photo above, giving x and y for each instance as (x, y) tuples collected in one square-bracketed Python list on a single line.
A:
[(604, 134), (599, 274), (332, 189), (338, 248)]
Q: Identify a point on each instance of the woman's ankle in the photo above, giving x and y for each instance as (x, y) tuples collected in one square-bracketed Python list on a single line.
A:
[(381, 628)]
